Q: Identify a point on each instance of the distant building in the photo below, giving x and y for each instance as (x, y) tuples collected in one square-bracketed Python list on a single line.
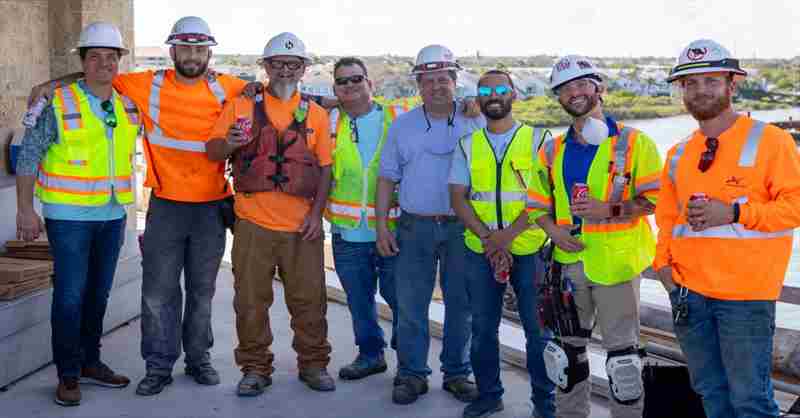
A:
[(152, 57)]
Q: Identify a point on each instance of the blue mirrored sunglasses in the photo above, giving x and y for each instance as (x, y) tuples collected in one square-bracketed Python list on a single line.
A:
[(502, 89)]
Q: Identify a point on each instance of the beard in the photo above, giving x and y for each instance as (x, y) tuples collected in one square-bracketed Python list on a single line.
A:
[(283, 90), (577, 111), (495, 113), (707, 107), (200, 69)]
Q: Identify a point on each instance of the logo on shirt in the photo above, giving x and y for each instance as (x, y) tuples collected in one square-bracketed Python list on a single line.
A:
[(734, 181)]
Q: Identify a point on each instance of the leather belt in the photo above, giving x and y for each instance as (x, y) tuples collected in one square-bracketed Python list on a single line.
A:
[(435, 218)]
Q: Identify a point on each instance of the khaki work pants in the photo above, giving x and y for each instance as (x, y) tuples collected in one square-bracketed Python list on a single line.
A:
[(615, 310), (256, 254)]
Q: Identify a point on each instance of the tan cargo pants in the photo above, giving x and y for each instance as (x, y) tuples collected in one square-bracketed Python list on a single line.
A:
[(256, 253), (615, 311)]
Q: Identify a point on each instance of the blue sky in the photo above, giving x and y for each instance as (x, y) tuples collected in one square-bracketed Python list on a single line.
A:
[(765, 28)]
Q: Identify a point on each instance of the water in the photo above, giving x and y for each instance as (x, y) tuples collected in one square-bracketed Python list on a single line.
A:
[(668, 131)]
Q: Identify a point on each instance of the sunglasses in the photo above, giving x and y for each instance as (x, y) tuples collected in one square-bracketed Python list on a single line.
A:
[(355, 79), (291, 65), (707, 157), (502, 89), (191, 37), (110, 118)]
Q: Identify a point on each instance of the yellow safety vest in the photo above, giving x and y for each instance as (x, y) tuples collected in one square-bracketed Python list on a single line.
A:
[(499, 186), (354, 187), (84, 168), (626, 166)]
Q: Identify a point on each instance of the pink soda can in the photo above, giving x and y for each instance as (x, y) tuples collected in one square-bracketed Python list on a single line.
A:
[(699, 196), (580, 191), (246, 126)]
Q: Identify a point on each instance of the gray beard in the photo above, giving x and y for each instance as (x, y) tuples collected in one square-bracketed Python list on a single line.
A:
[(283, 91)]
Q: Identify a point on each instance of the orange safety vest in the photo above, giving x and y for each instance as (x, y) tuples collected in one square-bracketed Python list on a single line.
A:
[(179, 168), (730, 262)]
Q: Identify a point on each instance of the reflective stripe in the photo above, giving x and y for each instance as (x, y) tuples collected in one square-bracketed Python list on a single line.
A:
[(750, 148), (352, 211), (646, 187), (619, 180), (178, 144), (130, 110), (537, 143), (216, 89), (505, 197), (123, 184), (88, 186), (549, 149), (334, 121), (154, 105), (736, 231), (72, 113), (673, 162)]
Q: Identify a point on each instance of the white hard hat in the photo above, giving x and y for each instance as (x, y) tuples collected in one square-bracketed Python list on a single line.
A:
[(573, 67), (285, 44), (101, 35), (704, 56), (191, 30), (435, 58)]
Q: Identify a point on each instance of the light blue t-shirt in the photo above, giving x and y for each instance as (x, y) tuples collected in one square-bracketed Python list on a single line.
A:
[(110, 211), (459, 171), (418, 153), (370, 129)]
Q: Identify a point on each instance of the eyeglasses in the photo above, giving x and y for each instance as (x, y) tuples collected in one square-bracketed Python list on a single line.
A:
[(580, 84), (110, 118), (707, 157), (502, 89), (291, 65), (355, 79)]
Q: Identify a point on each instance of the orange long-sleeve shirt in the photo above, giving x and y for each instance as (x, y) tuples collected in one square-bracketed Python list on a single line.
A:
[(731, 268)]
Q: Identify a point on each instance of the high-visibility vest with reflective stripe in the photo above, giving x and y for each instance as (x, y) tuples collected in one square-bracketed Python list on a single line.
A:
[(84, 167), (354, 187), (616, 249), (499, 185), (179, 168), (737, 278)]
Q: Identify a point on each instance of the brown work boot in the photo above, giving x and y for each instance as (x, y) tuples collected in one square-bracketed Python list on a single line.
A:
[(317, 379), (68, 392), (102, 375)]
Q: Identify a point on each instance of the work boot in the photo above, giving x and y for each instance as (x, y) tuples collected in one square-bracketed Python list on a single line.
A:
[(102, 375), (483, 408), (153, 384), (407, 389), (317, 379), (68, 392), (362, 367), (253, 384), (462, 389), (203, 374)]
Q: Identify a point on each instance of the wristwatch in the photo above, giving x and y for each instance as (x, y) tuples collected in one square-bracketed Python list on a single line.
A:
[(616, 209)]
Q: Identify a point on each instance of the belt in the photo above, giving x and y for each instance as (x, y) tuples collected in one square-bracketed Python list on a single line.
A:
[(439, 219)]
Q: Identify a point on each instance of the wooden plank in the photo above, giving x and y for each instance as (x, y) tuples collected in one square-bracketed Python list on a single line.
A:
[(14, 270)]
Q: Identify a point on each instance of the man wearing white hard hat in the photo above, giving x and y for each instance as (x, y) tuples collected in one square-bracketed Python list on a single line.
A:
[(81, 143), (281, 152), (416, 160), (185, 230), (729, 202), (604, 178)]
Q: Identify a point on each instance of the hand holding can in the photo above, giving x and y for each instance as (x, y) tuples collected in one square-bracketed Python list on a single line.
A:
[(580, 191), (240, 132)]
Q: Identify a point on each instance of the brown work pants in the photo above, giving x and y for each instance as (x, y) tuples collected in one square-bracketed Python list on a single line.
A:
[(256, 253)]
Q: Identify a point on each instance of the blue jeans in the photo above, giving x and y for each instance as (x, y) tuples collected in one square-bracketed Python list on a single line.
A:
[(361, 270), (86, 254), (728, 347), (424, 244), (188, 237), (486, 301)]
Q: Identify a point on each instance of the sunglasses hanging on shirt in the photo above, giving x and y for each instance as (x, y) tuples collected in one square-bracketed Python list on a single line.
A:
[(707, 157), (110, 118)]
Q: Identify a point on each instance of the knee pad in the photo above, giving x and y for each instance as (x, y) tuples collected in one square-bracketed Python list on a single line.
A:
[(624, 368), (566, 364)]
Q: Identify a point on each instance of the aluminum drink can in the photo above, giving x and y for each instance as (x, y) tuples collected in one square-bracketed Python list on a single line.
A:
[(502, 275), (245, 125), (699, 196), (580, 191), (32, 115)]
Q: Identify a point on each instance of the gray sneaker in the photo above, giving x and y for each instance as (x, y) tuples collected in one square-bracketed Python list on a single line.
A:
[(317, 379), (152, 384), (362, 367), (462, 389), (252, 384), (203, 374)]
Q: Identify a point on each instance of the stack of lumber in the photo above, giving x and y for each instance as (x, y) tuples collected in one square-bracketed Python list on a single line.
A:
[(19, 277), (32, 250)]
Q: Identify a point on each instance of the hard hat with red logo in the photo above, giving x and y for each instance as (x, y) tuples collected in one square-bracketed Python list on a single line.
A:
[(435, 58), (285, 44), (705, 56), (191, 30), (573, 67), (101, 35)]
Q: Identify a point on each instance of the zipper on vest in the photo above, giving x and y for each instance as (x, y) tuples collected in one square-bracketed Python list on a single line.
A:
[(499, 174)]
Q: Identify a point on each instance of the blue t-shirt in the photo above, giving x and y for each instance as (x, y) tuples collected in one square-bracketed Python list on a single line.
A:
[(578, 159), (459, 171), (370, 129)]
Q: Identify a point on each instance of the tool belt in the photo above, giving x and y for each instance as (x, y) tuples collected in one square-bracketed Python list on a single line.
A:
[(557, 308)]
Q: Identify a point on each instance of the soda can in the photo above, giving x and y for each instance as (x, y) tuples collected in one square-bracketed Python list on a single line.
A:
[(501, 275), (245, 125), (580, 191), (699, 196), (33, 113)]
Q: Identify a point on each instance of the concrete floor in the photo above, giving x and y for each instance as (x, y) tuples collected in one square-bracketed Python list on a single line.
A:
[(287, 397)]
